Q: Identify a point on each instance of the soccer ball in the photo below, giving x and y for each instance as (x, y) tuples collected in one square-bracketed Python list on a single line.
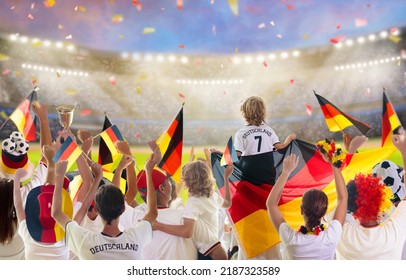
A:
[(8, 145), (22, 147), (392, 176), (15, 135)]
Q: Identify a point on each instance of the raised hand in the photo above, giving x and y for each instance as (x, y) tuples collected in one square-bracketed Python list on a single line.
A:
[(290, 163), (61, 167), (48, 152)]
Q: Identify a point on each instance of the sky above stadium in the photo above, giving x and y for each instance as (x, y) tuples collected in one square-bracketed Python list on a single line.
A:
[(200, 26)]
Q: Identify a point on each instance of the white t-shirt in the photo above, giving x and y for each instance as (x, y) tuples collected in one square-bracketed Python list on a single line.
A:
[(253, 140), (310, 246), (204, 210), (88, 245), (41, 251), (13, 250), (383, 242), (165, 246)]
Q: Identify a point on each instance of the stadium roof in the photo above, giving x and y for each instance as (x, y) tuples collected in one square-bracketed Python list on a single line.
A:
[(200, 27)]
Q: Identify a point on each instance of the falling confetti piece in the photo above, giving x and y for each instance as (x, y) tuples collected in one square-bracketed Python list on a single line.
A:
[(292, 81), (80, 9), (4, 57), (278, 91), (12, 7), (198, 63), (305, 36), (213, 30), (265, 63), (394, 31), (261, 25), (3, 115), (290, 6), (221, 65), (57, 74), (359, 22), (236, 50), (179, 4), (148, 30), (181, 46), (32, 6), (71, 91), (309, 110), (403, 54), (369, 5), (60, 26), (6, 72), (181, 95), (395, 39), (49, 3), (85, 112), (121, 36), (338, 26), (137, 135), (139, 90), (272, 23), (117, 18), (68, 37), (30, 16), (17, 73), (279, 36), (337, 39), (34, 81), (112, 80), (233, 4)]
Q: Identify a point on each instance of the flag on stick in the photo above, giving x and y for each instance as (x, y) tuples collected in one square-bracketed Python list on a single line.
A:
[(24, 118), (110, 136), (337, 120), (390, 121), (170, 145), (107, 158), (69, 151), (229, 155)]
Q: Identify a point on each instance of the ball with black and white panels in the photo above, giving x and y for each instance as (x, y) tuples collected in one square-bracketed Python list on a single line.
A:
[(8, 145), (22, 147), (15, 135), (391, 175)]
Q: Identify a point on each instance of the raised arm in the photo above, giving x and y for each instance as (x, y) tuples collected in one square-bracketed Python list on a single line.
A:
[(56, 210), (41, 112), (289, 164), (227, 195), (124, 148), (18, 202), (286, 143), (342, 196), (84, 170), (48, 152)]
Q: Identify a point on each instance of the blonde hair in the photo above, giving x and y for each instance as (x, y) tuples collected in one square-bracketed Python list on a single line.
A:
[(197, 178), (253, 110)]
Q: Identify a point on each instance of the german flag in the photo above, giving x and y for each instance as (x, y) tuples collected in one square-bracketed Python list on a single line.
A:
[(110, 136), (229, 155), (337, 120), (107, 158), (170, 145), (24, 118), (69, 151), (390, 121), (254, 176)]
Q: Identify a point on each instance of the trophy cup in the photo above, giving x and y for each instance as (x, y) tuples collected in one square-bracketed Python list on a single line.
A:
[(65, 113)]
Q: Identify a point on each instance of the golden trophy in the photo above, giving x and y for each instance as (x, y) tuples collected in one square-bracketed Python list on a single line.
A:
[(65, 113)]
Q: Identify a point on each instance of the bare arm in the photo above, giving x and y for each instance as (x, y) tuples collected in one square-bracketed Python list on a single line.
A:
[(152, 212), (48, 153), (124, 148), (186, 230), (227, 195), (56, 210), (18, 203), (288, 140), (342, 196), (45, 136), (289, 164)]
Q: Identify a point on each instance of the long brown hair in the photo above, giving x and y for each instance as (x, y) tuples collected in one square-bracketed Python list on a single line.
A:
[(8, 215), (314, 207)]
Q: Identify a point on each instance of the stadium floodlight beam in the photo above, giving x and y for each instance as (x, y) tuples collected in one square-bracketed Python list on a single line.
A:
[(125, 55)]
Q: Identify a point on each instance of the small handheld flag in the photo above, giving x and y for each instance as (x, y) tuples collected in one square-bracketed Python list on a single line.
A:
[(229, 155), (110, 136), (337, 120), (390, 121), (69, 151)]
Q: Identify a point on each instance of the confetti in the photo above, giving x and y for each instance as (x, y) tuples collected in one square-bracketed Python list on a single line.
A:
[(60, 26), (265, 63), (6, 72), (3, 115), (34, 80), (233, 4), (117, 18), (112, 80), (181, 95), (394, 31), (49, 3), (85, 112), (278, 91), (309, 109), (137, 135), (182, 46), (69, 37), (12, 7), (359, 22), (179, 4), (58, 74), (148, 30), (272, 23), (292, 81), (71, 91), (236, 50), (213, 30), (4, 57), (403, 53), (121, 36), (139, 90), (337, 39), (17, 73), (32, 6), (305, 36), (80, 8), (369, 5), (290, 6), (261, 25), (30, 16), (338, 26), (395, 39), (279, 36)]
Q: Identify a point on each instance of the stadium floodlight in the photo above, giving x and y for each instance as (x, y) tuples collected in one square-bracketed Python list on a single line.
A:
[(349, 42), (46, 43), (24, 39), (338, 45), (70, 48), (272, 56), (383, 34), (248, 59), (35, 40), (125, 55), (372, 37), (237, 60), (136, 56), (148, 57), (336, 68), (184, 60), (361, 40), (260, 58), (59, 45), (284, 55), (172, 58), (160, 58), (14, 37), (296, 53)]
